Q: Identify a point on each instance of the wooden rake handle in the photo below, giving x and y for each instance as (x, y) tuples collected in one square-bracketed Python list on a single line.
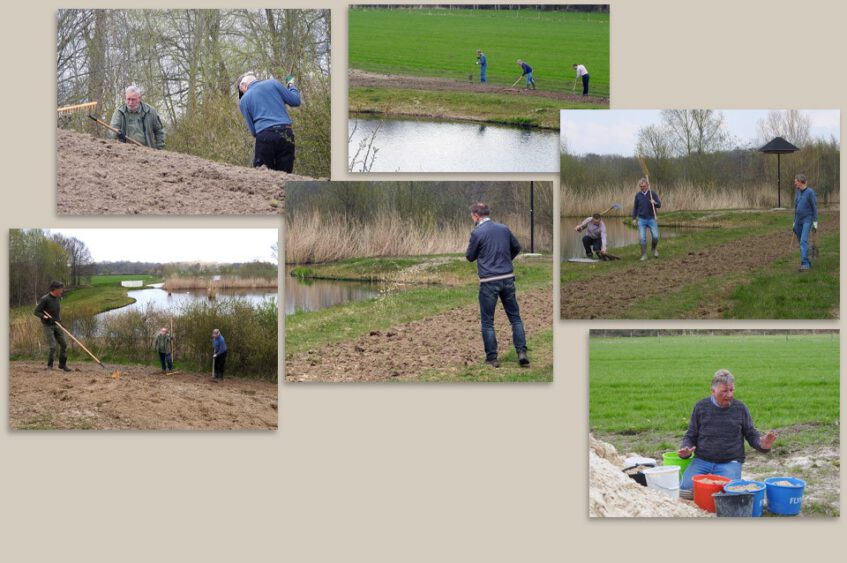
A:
[(66, 331), (110, 128)]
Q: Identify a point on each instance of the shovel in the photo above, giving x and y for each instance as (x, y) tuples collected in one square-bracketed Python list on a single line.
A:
[(115, 374), (614, 206)]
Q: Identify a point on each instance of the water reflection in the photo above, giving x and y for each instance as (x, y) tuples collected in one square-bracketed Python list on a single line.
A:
[(159, 299), (313, 295), (422, 146), (617, 235)]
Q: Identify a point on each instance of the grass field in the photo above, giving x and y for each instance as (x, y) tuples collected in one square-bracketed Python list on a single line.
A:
[(442, 43), (642, 391)]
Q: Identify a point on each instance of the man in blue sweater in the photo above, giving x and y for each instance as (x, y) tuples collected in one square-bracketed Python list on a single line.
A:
[(718, 427), (219, 355), (263, 107), (527, 71), (644, 212), (483, 65), (805, 218), (493, 247)]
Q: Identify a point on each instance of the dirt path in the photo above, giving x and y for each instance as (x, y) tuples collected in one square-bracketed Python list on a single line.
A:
[(97, 176), (142, 399), (446, 342), (363, 79), (606, 295)]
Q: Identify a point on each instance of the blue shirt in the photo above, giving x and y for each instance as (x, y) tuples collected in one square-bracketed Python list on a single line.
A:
[(219, 343), (263, 104), (805, 205), (526, 68), (642, 207), (482, 60), (493, 247)]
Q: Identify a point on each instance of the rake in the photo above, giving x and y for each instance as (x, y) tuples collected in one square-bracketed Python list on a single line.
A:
[(115, 373), (90, 106), (646, 172)]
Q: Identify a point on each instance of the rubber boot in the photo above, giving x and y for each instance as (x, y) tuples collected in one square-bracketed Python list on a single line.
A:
[(50, 361), (655, 252), (63, 364), (643, 251)]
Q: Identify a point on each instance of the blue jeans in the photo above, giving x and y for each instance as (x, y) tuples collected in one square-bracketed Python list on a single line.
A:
[(584, 84), (489, 292), (731, 469), (802, 230), (590, 244), (165, 359), (529, 79), (642, 229), (482, 70)]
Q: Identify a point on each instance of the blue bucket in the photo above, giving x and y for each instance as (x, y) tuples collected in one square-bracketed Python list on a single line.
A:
[(758, 493), (783, 499)]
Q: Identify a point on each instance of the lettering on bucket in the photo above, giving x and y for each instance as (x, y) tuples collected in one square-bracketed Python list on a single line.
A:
[(794, 500)]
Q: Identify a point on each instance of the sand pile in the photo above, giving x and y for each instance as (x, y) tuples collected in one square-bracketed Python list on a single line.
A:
[(611, 493)]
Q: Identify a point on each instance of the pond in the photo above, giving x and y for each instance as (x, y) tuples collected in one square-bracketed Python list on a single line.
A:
[(617, 235), (154, 296), (426, 146), (313, 295)]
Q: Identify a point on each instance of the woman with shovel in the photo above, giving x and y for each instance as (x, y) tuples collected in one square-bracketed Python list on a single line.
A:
[(219, 356)]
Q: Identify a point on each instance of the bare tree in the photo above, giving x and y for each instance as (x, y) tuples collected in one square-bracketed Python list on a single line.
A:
[(696, 131), (793, 125)]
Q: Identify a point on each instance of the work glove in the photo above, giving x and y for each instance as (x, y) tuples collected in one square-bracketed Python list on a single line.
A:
[(121, 137), (815, 225), (289, 81)]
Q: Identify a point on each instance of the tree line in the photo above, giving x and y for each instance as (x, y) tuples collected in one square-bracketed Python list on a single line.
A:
[(187, 62), (37, 257), (693, 147)]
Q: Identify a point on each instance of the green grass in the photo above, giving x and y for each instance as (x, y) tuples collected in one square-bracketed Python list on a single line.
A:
[(764, 293), (642, 390), (309, 330), (443, 43), (528, 111)]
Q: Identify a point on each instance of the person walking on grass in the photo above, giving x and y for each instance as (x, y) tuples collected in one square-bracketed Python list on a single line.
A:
[(483, 65), (49, 311), (164, 346), (138, 121), (219, 355), (717, 430), (805, 218), (594, 240), (581, 72), (493, 247), (644, 212), (262, 103), (527, 72)]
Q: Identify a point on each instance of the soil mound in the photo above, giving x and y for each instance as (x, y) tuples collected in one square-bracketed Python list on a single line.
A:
[(97, 176), (141, 399), (612, 493)]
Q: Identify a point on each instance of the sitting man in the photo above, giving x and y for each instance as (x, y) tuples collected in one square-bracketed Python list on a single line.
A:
[(594, 240), (717, 430)]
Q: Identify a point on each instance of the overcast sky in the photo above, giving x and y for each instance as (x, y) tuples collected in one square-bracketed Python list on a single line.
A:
[(615, 131), (176, 245)]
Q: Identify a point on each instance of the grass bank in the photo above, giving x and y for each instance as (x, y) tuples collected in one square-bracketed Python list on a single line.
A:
[(495, 108), (391, 40), (398, 304)]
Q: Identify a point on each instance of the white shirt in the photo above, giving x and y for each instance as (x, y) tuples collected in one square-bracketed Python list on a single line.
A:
[(581, 70)]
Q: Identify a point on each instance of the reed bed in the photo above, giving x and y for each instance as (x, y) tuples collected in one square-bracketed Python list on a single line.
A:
[(681, 197), (183, 283), (316, 238)]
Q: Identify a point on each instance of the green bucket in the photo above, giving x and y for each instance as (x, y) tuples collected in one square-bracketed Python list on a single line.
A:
[(672, 458)]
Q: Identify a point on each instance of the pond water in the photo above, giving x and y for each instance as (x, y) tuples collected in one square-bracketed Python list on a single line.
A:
[(313, 295), (426, 146), (156, 297), (617, 235)]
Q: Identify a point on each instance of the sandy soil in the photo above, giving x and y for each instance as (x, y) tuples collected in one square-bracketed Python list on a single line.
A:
[(97, 176), (663, 276), (446, 342), (363, 79), (141, 399)]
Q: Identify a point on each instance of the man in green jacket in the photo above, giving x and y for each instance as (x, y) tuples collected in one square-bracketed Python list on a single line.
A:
[(164, 346), (138, 121), (48, 310)]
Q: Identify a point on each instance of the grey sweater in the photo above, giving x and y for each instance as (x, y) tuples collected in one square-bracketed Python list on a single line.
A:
[(719, 433)]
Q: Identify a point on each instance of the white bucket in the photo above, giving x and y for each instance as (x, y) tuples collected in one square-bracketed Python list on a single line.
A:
[(664, 479)]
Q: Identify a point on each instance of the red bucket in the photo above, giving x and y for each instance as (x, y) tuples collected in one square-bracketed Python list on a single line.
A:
[(703, 491)]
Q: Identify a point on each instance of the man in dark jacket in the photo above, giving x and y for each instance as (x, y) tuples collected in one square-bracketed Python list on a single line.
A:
[(219, 355), (526, 71), (644, 213), (164, 346), (263, 106), (717, 430), (805, 218), (49, 311), (493, 247), (138, 121)]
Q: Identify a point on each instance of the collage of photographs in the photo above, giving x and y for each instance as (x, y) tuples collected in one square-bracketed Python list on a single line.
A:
[(692, 253)]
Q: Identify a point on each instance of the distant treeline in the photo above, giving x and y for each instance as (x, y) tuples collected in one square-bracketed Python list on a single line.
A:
[(256, 269), (405, 218), (657, 333), (538, 7)]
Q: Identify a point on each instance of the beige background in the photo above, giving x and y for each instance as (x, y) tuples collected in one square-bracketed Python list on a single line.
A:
[(392, 473)]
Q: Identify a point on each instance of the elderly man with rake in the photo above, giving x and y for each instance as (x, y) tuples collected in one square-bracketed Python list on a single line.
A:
[(805, 218)]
